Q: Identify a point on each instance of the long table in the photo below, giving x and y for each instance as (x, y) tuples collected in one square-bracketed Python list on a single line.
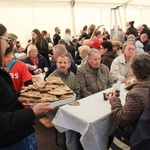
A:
[(92, 119)]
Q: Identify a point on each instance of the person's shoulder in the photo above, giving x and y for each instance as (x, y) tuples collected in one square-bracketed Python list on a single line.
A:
[(41, 57), (119, 58), (83, 66), (72, 74), (54, 73), (104, 67), (20, 63)]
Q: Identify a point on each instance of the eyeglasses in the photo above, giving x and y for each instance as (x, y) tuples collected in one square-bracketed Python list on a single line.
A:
[(6, 39)]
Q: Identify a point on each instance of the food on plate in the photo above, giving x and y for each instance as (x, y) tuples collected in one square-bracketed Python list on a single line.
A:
[(74, 103), (54, 80), (31, 94), (65, 96), (45, 97), (51, 90)]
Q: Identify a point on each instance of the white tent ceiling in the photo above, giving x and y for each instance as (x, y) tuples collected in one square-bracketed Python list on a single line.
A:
[(117, 2), (47, 14)]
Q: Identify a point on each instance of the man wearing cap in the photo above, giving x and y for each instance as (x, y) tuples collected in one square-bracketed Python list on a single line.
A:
[(92, 76)]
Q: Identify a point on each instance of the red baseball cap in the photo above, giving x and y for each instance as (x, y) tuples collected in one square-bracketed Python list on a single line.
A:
[(95, 43)]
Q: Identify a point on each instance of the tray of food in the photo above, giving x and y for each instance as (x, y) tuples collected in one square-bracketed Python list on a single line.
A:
[(52, 90)]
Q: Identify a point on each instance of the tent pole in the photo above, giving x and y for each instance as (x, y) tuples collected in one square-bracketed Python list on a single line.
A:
[(73, 17)]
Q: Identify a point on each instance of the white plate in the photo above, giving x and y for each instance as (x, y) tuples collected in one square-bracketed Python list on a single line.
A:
[(63, 102)]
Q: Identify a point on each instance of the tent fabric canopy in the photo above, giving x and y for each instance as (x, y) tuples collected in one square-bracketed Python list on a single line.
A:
[(117, 2), (27, 15)]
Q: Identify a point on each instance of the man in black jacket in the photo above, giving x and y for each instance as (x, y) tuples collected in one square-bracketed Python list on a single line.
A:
[(56, 36)]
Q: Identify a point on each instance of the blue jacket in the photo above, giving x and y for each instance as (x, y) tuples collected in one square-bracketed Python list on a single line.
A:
[(42, 63)]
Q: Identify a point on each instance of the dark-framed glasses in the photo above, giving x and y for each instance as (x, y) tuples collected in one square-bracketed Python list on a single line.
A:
[(6, 39)]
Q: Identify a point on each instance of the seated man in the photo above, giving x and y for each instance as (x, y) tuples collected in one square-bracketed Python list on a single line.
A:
[(69, 78), (92, 76), (120, 67), (59, 50), (83, 52)]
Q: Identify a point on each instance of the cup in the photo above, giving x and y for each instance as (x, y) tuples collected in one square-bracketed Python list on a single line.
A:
[(104, 96), (45, 69), (117, 93)]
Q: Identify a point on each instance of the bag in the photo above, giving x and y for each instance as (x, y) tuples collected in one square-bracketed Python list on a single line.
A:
[(10, 65), (121, 140)]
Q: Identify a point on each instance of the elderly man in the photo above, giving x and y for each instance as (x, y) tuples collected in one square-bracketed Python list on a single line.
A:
[(59, 50), (92, 76), (146, 42), (69, 78), (120, 67), (83, 52), (141, 30)]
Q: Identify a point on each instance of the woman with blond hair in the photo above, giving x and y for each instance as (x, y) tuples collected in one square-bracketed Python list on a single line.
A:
[(35, 62)]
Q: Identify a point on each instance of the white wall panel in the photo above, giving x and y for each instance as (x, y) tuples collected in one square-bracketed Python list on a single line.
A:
[(22, 17)]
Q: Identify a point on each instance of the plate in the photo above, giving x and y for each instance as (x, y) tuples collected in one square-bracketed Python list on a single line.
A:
[(56, 103), (63, 102)]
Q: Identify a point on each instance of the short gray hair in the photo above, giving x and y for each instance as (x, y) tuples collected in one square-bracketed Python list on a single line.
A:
[(60, 49), (62, 56), (93, 50), (127, 43)]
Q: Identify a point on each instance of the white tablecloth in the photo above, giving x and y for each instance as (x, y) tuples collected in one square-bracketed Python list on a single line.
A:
[(92, 119)]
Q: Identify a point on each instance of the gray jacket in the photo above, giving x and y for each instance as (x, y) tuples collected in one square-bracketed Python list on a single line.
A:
[(118, 68), (91, 83)]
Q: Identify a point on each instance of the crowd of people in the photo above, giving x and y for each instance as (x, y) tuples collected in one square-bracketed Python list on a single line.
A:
[(88, 64)]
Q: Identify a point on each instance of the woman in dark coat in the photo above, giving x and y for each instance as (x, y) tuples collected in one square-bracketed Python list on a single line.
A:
[(107, 53), (41, 44), (131, 30), (127, 116), (16, 123)]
